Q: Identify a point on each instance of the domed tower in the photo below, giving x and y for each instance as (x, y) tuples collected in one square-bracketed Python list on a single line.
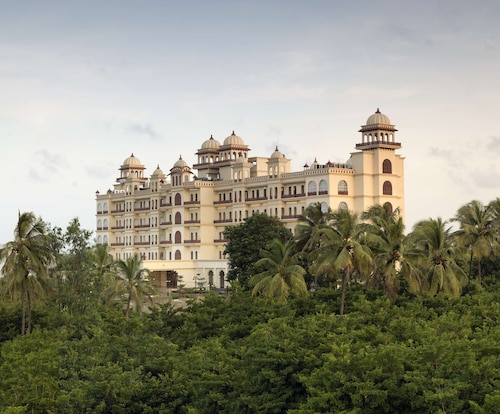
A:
[(378, 133), (157, 179), (378, 168), (232, 149), (180, 172), (208, 156), (131, 174), (278, 164)]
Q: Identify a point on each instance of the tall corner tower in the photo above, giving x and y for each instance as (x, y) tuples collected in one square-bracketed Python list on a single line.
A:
[(379, 169)]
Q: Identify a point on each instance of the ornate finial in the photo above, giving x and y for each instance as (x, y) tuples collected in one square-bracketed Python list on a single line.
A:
[(211, 136), (180, 157), (378, 111), (132, 154), (233, 133), (276, 148)]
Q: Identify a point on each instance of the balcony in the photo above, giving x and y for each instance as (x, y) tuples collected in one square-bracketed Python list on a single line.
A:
[(191, 221), (223, 221), (223, 202), (166, 242), (192, 202), (221, 240), (293, 195), (192, 241)]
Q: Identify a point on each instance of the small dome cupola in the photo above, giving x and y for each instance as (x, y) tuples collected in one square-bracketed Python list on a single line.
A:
[(378, 132), (234, 139), (210, 144), (131, 168)]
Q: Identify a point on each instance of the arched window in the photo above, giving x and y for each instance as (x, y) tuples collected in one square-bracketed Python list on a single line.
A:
[(221, 279), (343, 205), (99, 208), (178, 218), (105, 240), (387, 167), (342, 188), (324, 207), (178, 238), (210, 278), (105, 208), (99, 224), (178, 199), (105, 224), (99, 240), (388, 207), (311, 188), (323, 187), (387, 188), (177, 255)]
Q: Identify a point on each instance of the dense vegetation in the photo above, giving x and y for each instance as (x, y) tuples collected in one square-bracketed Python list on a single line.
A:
[(411, 326)]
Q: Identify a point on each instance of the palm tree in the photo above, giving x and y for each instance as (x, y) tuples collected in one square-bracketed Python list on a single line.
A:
[(283, 275), (313, 219), (26, 261), (476, 233), (342, 250), (385, 236), (310, 223), (132, 281), (436, 253)]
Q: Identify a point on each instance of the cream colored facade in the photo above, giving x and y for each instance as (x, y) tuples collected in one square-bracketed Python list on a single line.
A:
[(175, 222)]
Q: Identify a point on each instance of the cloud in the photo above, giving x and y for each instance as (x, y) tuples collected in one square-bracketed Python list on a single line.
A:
[(46, 164), (493, 145), (142, 129)]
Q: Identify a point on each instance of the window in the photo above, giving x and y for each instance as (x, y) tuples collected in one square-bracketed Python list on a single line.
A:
[(323, 187), (178, 237), (343, 205), (178, 255), (178, 218), (178, 199), (388, 207), (342, 188), (311, 188), (387, 188), (387, 167)]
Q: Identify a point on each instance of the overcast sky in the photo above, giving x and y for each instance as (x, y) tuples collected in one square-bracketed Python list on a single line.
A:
[(83, 84)]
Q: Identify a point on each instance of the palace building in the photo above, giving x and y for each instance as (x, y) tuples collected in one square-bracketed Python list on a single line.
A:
[(175, 221)]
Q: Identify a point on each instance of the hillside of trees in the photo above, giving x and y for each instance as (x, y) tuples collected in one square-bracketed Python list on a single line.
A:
[(349, 315)]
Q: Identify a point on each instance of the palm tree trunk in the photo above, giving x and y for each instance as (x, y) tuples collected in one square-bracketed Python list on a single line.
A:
[(345, 277), (479, 272), (23, 307), (29, 310), (128, 305)]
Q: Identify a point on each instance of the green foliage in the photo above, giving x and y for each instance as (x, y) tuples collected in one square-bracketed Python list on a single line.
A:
[(246, 241)]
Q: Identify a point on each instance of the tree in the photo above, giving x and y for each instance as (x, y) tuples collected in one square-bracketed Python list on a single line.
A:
[(26, 261), (476, 233), (342, 250), (282, 275), (385, 236), (435, 251), (245, 242), (132, 280)]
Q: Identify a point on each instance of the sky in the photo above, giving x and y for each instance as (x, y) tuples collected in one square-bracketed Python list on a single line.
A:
[(83, 84)]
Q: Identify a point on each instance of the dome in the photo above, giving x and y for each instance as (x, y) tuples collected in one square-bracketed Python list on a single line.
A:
[(277, 153), (210, 143), (132, 161), (180, 163), (157, 172), (378, 118), (233, 139)]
